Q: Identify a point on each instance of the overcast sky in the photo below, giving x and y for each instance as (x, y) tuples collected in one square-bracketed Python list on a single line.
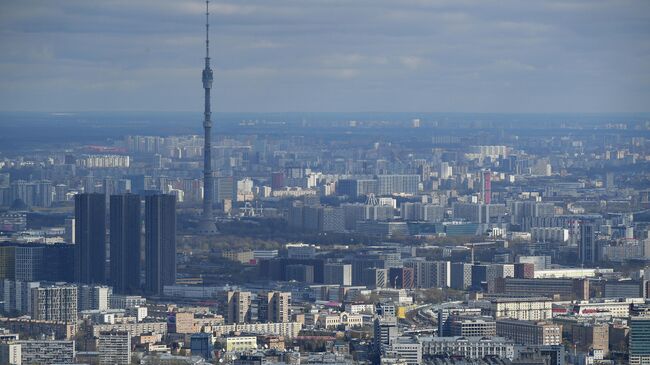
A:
[(327, 55)]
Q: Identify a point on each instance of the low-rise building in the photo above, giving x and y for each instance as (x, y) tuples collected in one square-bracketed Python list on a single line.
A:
[(529, 332), (288, 330), (469, 347), (240, 343), (47, 352), (525, 309), (473, 326)]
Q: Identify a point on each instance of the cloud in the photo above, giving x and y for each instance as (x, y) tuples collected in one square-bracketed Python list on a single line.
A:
[(428, 55), (411, 62)]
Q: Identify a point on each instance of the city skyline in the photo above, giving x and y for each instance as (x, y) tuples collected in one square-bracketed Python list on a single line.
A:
[(325, 56), (253, 229)]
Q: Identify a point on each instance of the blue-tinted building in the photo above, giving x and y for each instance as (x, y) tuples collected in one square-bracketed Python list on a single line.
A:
[(201, 345)]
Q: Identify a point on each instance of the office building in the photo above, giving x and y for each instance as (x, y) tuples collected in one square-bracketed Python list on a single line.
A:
[(375, 278), (60, 262), (461, 275), (446, 315), (339, 274), (473, 326), (385, 332), (523, 309), (126, 226), (430, 274), (300, 273), (160, 242), (114, 348), (524, 270), (7, 262), (625, 289), (356, 187), (406, 350), (201, 345), (401, 278), (90, 233), (639, 345), (529, 332), (587, 246), (563, 289), (70, 231), (29, 264)]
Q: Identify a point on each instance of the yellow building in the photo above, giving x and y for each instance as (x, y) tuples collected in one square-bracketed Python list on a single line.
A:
[(241, 343)]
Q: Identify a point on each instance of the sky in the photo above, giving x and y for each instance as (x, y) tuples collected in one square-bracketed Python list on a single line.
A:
[(327, 55)]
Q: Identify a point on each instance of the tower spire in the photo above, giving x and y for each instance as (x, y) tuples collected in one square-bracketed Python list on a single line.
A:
[(207, 224), (207, 30)]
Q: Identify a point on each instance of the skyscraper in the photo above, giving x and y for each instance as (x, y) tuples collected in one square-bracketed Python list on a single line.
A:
[(207, 224), (587, 248), (486, 187), (90, 234), (160, 242), (125, 243)]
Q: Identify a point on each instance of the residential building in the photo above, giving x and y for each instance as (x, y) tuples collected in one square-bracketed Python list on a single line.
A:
[(114, 348)]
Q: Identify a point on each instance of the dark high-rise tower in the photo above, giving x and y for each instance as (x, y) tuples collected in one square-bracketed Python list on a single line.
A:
[(90, 232), (160, 242), (207, 224), (125, 243), (587, 247)]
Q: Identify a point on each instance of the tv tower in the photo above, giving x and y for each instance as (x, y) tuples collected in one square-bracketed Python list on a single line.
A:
[(207, 224)]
